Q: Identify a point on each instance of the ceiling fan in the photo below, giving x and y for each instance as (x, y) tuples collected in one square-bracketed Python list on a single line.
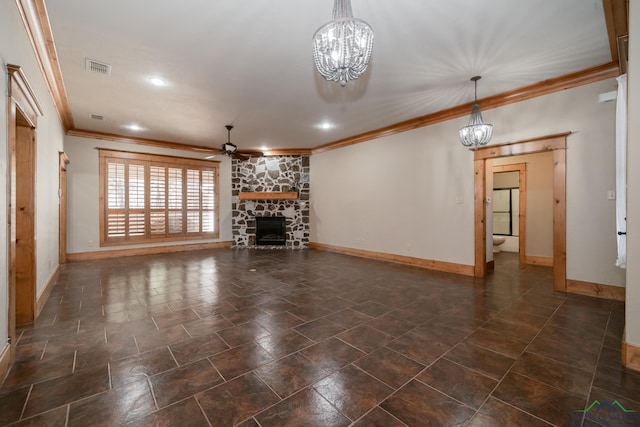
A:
[(232, 151), (229, 149)]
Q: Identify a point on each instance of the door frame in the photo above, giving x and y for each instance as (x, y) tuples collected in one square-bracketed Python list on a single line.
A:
[(62, 208), (23, 111), (556, 143)]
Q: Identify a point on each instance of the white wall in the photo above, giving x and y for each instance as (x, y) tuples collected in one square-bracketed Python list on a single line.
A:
[(15, 48), (416, 178), (633, 180), (83, 232)]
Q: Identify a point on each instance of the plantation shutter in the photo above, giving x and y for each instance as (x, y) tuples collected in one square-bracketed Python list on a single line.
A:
[(146, 199)]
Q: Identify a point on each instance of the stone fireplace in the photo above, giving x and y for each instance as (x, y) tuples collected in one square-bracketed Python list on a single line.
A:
[(271, 187)]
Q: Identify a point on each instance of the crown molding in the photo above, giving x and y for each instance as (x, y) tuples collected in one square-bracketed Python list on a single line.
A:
[(83, 133), (544, 87), (287, 152), (616, 16), (103, 136), (36, 21)]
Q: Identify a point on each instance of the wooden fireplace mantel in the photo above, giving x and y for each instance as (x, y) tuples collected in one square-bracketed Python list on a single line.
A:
[(268, 195)]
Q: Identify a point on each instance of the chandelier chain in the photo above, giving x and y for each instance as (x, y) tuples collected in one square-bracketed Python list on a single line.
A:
[(475, 96), (342, 9)]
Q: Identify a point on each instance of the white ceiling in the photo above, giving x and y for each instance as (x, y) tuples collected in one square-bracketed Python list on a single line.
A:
[(249, 63)]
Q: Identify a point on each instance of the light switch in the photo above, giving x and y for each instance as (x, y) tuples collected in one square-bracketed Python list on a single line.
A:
[(611, 195)]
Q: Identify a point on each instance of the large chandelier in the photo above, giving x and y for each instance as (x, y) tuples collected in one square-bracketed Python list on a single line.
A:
[(342, 47), (477, 132)]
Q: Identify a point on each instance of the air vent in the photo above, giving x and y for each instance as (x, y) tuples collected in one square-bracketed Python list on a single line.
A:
[(96, 116), (97, 67)]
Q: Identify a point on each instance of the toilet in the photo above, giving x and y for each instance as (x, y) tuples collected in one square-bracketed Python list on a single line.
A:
[(497, 241)]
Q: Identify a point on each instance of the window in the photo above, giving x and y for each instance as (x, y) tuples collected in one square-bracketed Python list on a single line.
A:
[(149, 198)]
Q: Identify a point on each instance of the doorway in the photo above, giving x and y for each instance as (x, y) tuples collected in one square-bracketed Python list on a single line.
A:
[(517, 204), (23, 110), (482, 162)]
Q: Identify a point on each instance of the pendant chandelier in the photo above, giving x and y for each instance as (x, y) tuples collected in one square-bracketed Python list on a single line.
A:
[(476, 133), (342, 47)]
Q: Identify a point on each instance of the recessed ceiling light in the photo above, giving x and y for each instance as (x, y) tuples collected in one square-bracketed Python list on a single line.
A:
[(134, 127), (157, 81), (325, 126), (264, 147)]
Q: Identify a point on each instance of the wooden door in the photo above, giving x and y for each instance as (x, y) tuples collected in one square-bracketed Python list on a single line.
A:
[(25, 225), (23, 111), (14, 115)]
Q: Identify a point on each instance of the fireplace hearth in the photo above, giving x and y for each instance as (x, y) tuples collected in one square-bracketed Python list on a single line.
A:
[(271, 230)]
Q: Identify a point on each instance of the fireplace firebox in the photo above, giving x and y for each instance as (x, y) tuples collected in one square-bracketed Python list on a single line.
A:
[(271, 230)]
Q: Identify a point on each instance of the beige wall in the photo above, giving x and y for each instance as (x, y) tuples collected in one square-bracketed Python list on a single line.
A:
[(539, 220), (410, 194), (633, 180), (506, 179), (83, 233), (421, 182), (15, 48)]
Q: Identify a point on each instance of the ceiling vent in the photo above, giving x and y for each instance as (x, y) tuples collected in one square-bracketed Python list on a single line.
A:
[(97, 67), (96, 116)]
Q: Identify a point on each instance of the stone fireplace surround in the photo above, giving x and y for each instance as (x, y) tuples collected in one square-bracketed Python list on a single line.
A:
[(270, 174)]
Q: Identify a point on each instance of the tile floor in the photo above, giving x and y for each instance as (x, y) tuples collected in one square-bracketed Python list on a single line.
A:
[(310, 338)]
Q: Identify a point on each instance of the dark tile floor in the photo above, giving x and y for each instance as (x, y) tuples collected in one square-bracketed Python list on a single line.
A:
[(309, 338)]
